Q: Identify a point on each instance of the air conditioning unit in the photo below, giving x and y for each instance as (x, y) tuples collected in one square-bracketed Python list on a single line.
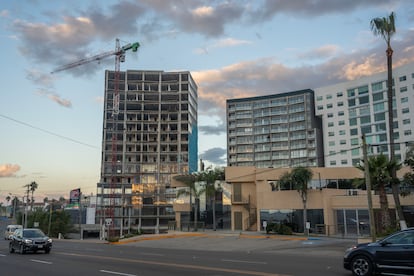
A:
[(352, 192)]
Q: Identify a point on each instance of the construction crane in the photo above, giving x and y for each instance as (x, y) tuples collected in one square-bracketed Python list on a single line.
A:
[(119, 54)]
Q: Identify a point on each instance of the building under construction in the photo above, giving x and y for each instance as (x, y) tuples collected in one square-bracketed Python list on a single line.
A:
[(153, 136)]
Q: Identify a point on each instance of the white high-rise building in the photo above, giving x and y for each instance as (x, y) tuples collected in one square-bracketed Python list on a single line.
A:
[(357, 107)]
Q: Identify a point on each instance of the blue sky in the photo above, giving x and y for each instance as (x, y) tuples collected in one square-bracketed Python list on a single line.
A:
[(51, 124)]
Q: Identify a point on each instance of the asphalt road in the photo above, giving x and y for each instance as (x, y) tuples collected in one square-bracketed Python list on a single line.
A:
[(211, 253)]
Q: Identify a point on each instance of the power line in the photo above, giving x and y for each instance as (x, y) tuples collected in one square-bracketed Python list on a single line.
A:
[(48, 132)]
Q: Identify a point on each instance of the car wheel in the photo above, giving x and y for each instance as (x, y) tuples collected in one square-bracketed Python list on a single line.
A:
[(47, 250), (361, 266), (21, 249), (11, 249)]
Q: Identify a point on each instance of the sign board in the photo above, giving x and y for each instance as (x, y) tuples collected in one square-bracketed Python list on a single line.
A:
[(307, 225), (36, 224), (108, 221)]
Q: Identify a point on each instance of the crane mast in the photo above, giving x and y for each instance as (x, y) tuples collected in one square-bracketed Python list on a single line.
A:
[(119, 54)]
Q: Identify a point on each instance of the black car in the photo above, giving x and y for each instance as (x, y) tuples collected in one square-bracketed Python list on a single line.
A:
[(29, 239), (391, 255)]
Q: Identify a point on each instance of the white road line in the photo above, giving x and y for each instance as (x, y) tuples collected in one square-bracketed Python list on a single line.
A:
[(40, 261), (2, 255), (116, 273), (152, 254), (239, 261)]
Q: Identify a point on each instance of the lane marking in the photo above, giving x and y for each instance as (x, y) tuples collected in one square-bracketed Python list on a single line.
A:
[(40, 261), (184, 266), (240, 261), (2, 255), (116, 273), (152, 254)]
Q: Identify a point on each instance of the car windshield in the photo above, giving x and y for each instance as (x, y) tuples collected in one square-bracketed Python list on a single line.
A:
[(32, 234)]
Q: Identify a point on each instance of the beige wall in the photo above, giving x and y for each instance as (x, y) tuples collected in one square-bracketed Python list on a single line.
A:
[(255, 183)]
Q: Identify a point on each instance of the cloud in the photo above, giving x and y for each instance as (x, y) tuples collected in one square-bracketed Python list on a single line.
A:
[(266, 76), (270, 8), (39, 78), (322, 52), (54, 97), (215, 155), (213, 129), (8, 170), (4, 13)]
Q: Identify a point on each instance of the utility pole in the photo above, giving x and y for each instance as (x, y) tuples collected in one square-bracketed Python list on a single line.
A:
[(369, 194)]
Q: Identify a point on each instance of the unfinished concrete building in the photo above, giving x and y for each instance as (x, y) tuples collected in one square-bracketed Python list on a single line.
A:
[(153, 136)]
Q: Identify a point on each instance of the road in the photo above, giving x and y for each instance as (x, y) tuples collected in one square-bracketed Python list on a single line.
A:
[(205, 254)]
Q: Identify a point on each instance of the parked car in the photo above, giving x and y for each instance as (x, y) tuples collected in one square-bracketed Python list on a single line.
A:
[(392, 255), (10, 230), (29, 239)]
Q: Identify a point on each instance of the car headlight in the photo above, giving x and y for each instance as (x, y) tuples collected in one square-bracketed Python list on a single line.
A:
[(27, 241), (349, 250), (49, 240)]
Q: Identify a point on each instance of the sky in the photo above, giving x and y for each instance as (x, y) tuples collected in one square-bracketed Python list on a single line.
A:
[(51, 124)]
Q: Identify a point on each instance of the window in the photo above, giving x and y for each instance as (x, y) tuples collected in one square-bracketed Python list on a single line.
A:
[(404, 100), (351, 92), (341, 123), (351, 102), (328, 97), (354, 141), (353, 122), (319, 98), (331, 143), (329, 105), (320, 107), (376, 86), (405, 110), (406, 121), (407, 132), (366, 129), (341, 113), (382, 138), (331, 133), (340, 103), (363, 90), (342, 132), (344, 161), (342, 142), (340, 94), (403, 89), (365, 120), (379, 117), (363, 100), (332, 163), (379, 107), (354, 131), (380, 127), (403, 78), (330, 124), (330, 115), (377, 97)]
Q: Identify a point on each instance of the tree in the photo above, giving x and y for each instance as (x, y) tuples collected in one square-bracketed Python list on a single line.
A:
[(31, 187), (380, 171), (190, 182), (8, 199), (385, 28), (210, 177), (408, 179), (298, 179)]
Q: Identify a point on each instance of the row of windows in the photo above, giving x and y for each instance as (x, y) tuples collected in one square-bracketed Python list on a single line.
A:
[(378, 86)]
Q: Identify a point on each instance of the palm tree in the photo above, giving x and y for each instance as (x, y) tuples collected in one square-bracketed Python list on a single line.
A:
[(33, 186), (380, 171), (194, 190), (210, 176), (385, 27), (298, 179)]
